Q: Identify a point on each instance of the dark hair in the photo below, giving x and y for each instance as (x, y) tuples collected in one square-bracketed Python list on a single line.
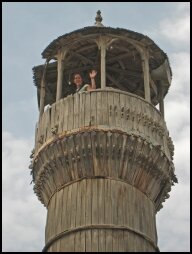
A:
[(77, 73)]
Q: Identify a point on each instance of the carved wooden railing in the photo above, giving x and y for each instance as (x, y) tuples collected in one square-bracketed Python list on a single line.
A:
[(111, 109)]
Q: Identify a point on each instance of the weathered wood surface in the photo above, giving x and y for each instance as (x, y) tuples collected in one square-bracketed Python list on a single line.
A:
[(106, 108), (103, 153), (111, 216), (102, 167)]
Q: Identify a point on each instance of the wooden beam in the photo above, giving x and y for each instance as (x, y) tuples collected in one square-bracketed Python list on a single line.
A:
[(115, 82), (42, 91), (126, 72), (117, 57), (81, 57), (103, 64), (86, 48), (60, 66), (145, 66)]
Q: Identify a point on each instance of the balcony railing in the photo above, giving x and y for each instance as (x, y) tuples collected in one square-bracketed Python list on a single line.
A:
[(103, 109)]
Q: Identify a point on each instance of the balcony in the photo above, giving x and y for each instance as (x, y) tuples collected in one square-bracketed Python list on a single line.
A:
[(108, 109)]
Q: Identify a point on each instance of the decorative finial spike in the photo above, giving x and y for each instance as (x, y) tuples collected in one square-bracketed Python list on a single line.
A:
[(98, 19)]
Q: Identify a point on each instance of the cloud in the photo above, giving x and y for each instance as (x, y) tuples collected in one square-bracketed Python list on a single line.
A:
[(173, 221), (21, 116), (176, 29), (23, 216), (180, 63), (173, 31)]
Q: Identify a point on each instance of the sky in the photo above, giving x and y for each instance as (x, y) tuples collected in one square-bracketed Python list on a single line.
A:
[(27, 29)]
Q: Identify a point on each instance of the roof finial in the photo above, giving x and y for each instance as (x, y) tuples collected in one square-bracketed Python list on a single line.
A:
[(98, 19)]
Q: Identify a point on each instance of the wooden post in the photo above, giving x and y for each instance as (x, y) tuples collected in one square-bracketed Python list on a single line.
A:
[(145, 66), (42, 91), (60, 59), (161, 102), (103, 64)]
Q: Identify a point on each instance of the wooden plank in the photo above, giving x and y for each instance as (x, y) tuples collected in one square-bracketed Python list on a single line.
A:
[(88, 214), (122, 99), (95, 237), (49, 134), (53, 112), (65, 118), (128, 124), (65, 160), (81, 153), (123, 158), (88, 151), (70, 112), (82, 110), (93, 108), (66, 199), (87, 109), (71, 158), (56, 220), (117, 119), (77, 241), (61, 116), (73, 204), (114, 155), (111, 109), (78, 156), (101, 213), (104, 108), (83, 215), (121, 244), (76, 110), (99, 108), (102, 160), (108, 214), (110, 154), (109, 240), (71, 215), (78, 205), (95, 151)]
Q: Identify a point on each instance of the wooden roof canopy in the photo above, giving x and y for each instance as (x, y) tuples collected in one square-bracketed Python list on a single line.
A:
[(123, 61)]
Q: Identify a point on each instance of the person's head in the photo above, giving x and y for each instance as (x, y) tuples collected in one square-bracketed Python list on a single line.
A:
[(77, 79)]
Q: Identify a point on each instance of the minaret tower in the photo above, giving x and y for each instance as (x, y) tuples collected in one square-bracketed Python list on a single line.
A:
[(102, 161)]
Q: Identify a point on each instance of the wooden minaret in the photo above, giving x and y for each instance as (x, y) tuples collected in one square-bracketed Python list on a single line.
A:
[(102, 161)]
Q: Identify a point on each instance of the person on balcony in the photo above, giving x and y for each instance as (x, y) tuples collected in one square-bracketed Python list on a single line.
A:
[(81, 86)]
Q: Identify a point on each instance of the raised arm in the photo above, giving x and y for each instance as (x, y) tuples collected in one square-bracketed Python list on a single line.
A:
[(92, 75)]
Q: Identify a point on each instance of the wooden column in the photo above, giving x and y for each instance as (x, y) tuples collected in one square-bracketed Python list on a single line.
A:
[(60, 66), (103, 64), (161, 102), (145, 66), (42, 91)]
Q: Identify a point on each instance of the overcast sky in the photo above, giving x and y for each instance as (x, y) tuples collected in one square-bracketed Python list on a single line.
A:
[(28, 28)]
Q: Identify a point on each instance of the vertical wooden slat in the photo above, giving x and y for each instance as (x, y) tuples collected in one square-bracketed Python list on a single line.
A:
[(108, 214), (88, 215), (99, 108), (82, 109), (76, 110), (87, 109), (83, 215), (95, 237), (70, 113), (101, 213), (111, 109), (93, 108), (105, 110)]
